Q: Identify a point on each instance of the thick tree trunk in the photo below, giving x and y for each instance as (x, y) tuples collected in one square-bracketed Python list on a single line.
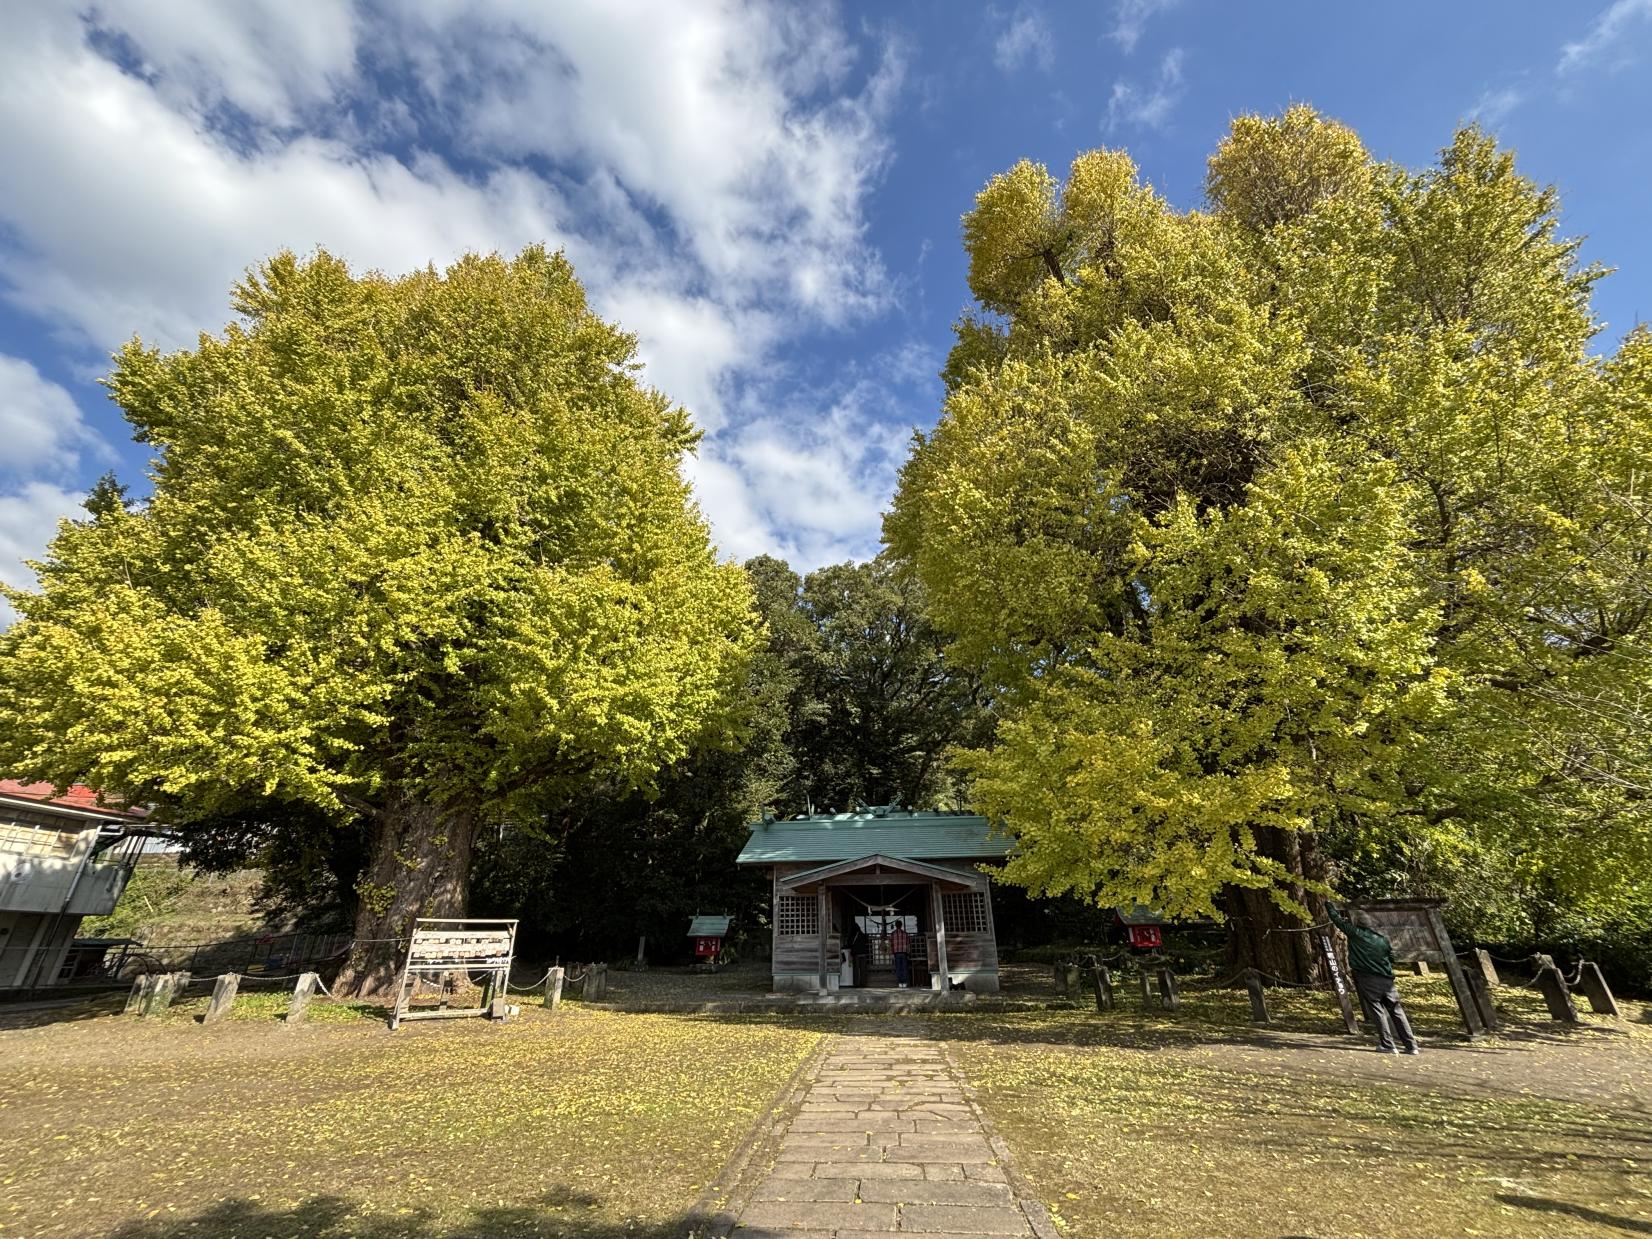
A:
[(1264, 937), (420, 866)]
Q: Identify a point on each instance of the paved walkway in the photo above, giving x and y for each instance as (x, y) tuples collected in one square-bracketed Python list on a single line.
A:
[(885, 1139)]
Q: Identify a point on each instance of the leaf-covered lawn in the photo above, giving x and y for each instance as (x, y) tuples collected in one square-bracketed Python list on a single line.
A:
[(1144, 1123), (588, 1123)]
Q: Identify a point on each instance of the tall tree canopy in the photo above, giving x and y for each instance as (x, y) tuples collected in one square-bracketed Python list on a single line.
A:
[(1299, 529), (419, 555), (847, 699)]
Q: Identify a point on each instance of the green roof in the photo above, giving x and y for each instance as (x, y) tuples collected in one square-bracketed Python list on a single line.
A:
[(709, 927), (913, 834)]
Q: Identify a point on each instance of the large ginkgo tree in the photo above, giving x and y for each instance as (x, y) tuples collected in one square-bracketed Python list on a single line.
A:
[(419, 556), (1305, 527)]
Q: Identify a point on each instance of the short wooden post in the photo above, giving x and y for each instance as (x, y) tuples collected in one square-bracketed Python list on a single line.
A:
[(1488, 970), (1104, 988), (1420, 967), (1258, 1000), (553, 989), (1556, 995), (160, 994), (1596, 990), (1169, 999), (1482, 997), (223, 997), (140, 993), (303, 991), (1060, 970)]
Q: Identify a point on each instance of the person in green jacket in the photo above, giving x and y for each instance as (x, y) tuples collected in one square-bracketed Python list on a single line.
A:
[(1372, 958)]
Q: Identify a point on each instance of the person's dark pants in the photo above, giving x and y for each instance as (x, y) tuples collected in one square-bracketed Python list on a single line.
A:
[(1382, 1000), (903, 969)]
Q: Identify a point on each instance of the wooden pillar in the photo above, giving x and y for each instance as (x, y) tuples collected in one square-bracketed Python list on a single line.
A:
[(1258, 1000), (1596, 990), (823, 923), (1104, 988), (303, 991), (1482, 998), (223, 997), (1339, 983), (1467, 1005), (553, 989), (943, 969)]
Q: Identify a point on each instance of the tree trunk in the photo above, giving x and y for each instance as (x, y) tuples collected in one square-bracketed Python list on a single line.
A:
[(1263, 936), (420, 866)]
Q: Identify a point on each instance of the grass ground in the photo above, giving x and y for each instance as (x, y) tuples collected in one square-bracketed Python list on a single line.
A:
[(1200, 1124), (589, 1123), (599, 1123)]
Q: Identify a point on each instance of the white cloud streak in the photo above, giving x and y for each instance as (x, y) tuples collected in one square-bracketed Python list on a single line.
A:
[(1606, 38), (1130, 20), (1147, 107), (1025, 39)]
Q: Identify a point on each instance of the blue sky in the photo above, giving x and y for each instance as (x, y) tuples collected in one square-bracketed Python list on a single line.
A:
[(768, 195)]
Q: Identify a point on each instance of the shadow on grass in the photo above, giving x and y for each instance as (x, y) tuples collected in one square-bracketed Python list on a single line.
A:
[(39, 1013), (1582, 1213), (553, 1214)]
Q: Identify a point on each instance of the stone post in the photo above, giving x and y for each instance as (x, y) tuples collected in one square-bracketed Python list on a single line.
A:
[(139, 995), (1146, 985), (590, 993), (223, 997), (1596, 990), (553, 989), (1482, 997), (1169, 999), (1420, 967), (1258, 1000), (160, 994), (1556, 995), (1488, 969), (1060, 971), (303, 991), (1104, 988), (602, 980)]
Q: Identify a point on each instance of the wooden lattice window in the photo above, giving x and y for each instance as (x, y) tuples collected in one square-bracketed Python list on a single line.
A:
[(796, 916), (965, 913)]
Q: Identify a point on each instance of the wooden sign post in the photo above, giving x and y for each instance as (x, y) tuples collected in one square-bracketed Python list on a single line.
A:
[(1339, 983), (462, 946)]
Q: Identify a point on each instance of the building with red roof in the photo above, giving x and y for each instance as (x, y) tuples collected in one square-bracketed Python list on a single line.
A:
[(63, 856)]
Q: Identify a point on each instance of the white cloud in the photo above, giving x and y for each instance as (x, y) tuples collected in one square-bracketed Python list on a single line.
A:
[(706, 167), (1493, 107), (1025, 40), (1148, 108), (1606, 38), (1130, 18), (28, 518), (41, 429)]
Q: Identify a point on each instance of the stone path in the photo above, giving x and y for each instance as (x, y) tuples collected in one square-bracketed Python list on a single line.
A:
[(886, 1139)]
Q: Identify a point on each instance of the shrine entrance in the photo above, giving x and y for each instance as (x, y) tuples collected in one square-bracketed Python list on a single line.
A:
[(868, 917)]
